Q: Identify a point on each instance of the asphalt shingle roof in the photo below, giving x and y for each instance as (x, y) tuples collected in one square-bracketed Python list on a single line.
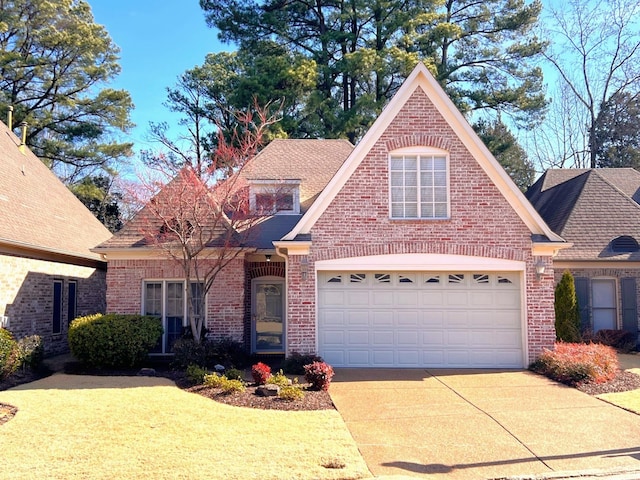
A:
[(37, 211), (590, 208), (312, 162)]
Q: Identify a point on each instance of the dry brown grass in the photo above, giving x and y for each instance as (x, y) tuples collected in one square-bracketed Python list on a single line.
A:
[(85, 427), (628, 400)]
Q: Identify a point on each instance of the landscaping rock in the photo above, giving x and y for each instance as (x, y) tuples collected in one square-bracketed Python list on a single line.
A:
[(147, 372), (268, 390), (219, 369)]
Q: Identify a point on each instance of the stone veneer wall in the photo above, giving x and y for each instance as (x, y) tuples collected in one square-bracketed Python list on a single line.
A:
[(357, 223), (26, 297)]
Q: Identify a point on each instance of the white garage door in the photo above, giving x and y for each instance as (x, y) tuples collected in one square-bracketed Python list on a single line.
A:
[(420, 319)]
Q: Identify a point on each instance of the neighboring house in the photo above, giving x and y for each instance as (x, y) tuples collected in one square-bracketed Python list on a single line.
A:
[(598, 211), (412, 249), (48, 275)]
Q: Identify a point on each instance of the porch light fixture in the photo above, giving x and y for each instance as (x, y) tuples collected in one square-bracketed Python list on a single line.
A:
[(540, 267), (267, 257), (304, 267)]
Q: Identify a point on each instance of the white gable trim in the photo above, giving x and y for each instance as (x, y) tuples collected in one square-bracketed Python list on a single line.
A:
[(421, 78)]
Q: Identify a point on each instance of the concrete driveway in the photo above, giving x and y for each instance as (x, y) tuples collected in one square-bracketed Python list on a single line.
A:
[(481, 424)]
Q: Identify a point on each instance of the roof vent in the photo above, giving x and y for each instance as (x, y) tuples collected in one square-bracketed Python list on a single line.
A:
[(624, 244)]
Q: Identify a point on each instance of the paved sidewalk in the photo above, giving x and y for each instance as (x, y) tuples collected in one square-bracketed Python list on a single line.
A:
[(478, 424)]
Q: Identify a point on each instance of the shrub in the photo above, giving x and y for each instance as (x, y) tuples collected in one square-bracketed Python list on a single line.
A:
[(196, 373), (234, 374), (220, 381), (279, 379), (294, 363), (187, 352), (319, 375), (291, 393), (113, 340), (574, 363), (566, 309), (229, 352), (621, 340), (9, 354), (31, 352), (260, 373)]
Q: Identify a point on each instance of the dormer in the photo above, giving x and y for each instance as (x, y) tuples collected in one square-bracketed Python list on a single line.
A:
[(275, 197)]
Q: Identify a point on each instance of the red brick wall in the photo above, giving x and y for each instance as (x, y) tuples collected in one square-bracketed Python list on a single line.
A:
[(225, 300), (26, 297), (357, 223)]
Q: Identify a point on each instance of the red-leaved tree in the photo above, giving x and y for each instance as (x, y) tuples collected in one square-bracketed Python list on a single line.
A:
[(201, 218)]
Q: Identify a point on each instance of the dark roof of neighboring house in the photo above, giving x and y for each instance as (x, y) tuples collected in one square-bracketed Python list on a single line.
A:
[(38, 213), (312, 162), (590, 208)]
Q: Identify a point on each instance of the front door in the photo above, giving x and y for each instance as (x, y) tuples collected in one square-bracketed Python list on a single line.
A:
[(267, 308)]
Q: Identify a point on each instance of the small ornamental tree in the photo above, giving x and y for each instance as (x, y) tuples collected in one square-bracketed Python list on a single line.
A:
[(566, 308), (201, 219)]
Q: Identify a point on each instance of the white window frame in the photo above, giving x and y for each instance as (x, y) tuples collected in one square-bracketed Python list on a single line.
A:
[(420, 153), (163, 303), (257, 187)]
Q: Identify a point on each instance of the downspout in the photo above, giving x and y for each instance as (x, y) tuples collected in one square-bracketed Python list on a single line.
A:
[(280, 253)]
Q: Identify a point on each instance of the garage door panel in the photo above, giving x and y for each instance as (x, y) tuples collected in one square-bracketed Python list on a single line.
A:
[(382, 338), (357, 318), (383, 318), (357, 337), (395, 319)]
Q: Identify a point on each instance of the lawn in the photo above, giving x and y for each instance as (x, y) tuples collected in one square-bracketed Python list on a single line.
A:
[(73, 427), (628, 400)]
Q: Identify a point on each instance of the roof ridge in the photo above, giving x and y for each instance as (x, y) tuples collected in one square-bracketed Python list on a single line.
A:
[(615, 187)]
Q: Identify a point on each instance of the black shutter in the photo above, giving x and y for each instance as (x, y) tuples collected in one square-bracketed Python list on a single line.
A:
[(582, 296), (629, 305)]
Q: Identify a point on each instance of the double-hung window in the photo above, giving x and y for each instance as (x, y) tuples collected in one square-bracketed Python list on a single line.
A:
[(418, 184)]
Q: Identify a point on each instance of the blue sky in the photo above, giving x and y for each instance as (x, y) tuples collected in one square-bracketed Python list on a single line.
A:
[(159, 40)]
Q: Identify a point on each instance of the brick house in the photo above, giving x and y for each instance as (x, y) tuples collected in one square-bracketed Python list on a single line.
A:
[(598, 211), (412, 249), (48, 275)]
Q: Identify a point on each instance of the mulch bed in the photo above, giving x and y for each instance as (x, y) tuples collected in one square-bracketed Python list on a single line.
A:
[(623, 382)]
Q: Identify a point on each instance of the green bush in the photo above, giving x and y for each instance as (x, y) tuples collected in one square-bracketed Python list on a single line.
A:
[(113, 340), (566, 309), (225, 351), (220, 381), (291, 393), (9, 354), (574, 363), (195, 374), (234, 374), (294, 363), (31, 352), (279, 379)]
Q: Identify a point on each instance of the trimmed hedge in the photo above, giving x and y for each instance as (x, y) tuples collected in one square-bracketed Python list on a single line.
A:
[(113, 340)]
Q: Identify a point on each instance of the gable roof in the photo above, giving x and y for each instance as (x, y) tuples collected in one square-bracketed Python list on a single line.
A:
[(312, 162), (422, 78), (590, 208), (38, 213)]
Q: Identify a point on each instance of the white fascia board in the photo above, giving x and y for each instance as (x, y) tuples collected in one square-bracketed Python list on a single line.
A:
[(422, 262), (300, 247), (592, 264), (142, 253), (548, 249), (422, 78)]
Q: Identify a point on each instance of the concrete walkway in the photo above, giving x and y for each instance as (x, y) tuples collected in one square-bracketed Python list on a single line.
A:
[(481, 424)]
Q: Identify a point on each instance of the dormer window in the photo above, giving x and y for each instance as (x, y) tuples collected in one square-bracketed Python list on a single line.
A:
[(269, 197)]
